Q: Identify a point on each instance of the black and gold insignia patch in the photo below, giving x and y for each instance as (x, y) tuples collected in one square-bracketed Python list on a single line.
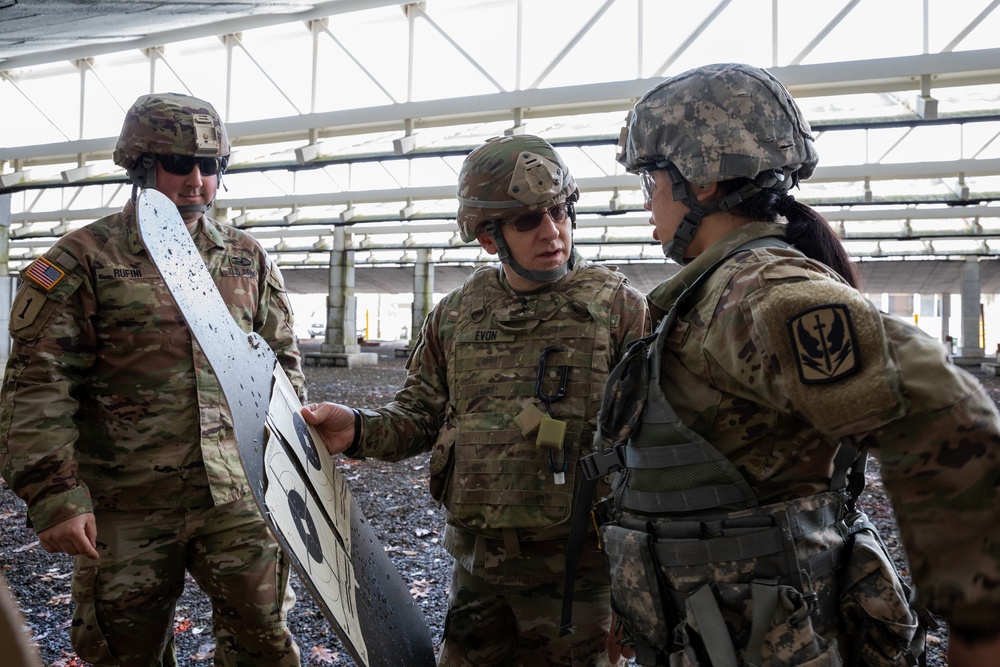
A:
[(240, 267), (825, 346)]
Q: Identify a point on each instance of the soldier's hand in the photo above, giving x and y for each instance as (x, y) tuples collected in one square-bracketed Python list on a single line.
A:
[(333, 422), (75, 536)]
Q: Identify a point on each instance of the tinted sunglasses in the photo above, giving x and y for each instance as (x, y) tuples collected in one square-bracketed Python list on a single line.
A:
[(529, 221), (182, 165)]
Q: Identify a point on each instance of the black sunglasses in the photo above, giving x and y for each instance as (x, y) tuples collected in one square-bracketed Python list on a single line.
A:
[(531, 220), (182, 165)]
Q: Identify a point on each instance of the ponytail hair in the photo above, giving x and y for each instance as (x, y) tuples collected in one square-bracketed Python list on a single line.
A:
[(807, 230)]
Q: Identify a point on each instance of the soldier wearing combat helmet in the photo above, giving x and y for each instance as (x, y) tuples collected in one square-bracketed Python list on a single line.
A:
[(501, 389), (535, 182), (175, 133), (770, 379), (115, 431)]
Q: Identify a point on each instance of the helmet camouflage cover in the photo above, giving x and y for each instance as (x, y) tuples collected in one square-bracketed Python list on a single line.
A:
[(720, 122), (170, 124), (508, 176)]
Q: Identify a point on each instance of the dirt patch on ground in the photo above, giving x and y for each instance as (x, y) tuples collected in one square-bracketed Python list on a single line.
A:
[(393, 496)]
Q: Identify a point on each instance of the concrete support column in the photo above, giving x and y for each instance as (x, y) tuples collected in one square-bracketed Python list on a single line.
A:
[(423, 291), (341, 304), (970, 309), (945, 316), (7, 282)]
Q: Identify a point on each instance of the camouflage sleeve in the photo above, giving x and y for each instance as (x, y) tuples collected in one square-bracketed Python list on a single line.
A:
[(630, 311), (274, 323), (409, 424), (52, 352), (801, 342), (941, 467)]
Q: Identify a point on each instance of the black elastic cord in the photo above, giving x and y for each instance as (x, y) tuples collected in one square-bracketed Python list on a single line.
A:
[(356, 443)]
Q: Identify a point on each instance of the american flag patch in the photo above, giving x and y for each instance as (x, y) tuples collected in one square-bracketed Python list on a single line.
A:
[(44, 273)]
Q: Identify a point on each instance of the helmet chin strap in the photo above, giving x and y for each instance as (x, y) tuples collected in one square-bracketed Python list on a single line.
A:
[(681, 191), (547, 276), (202, 208)]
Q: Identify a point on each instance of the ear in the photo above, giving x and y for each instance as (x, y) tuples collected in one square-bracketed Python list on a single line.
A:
[(704, 193), (485, 240)]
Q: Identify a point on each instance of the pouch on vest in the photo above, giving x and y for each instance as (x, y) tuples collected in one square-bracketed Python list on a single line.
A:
[(787, 637), (874, 604), (635, 589), (442, 463), (757, 587), (624, 395)]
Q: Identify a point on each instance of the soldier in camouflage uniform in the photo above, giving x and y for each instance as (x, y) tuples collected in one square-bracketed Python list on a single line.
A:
[(774, 372), (503, 387), (113, 428)]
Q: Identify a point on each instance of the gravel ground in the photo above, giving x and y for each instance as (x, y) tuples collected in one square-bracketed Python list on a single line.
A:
[(392, 495)]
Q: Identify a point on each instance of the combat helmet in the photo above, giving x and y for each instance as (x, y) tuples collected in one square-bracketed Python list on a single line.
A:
[(507, 177), (168, 124), (716, 123)]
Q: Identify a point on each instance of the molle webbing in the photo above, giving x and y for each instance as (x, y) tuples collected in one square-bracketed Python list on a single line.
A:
[(683, 543), (501, 479), (699, 477), (672, 469), (693, 460), (794, 547)]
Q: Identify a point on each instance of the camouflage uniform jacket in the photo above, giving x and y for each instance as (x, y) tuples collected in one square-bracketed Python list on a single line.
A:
[(777, 361), (473, 371), (108, 401)]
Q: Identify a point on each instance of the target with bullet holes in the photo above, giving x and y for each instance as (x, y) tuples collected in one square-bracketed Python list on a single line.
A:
[(301, 494)]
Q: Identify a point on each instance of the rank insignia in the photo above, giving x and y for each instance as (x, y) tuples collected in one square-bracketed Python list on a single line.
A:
[(824, 343), (44, 273)]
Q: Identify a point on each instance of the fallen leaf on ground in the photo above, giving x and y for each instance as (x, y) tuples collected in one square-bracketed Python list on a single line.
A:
[(418, 588), (322, 654), (69, 660), (205, 652)]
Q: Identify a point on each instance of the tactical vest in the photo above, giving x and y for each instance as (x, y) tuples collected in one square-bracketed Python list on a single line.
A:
[(508, 353), (702, 575)]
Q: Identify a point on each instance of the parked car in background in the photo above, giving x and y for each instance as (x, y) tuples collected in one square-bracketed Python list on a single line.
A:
[(317, 329)]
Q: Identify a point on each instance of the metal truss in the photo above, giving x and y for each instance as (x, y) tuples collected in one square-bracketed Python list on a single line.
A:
[(358, 114)]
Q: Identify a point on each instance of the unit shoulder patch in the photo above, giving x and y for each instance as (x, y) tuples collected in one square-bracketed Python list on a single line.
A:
[(26, 308), (824, 343)]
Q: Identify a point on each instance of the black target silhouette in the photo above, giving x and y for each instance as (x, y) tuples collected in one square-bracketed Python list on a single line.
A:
[(305, 525), (306, 441)]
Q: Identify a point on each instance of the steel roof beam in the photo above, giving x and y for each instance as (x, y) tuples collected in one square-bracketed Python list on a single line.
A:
[(316, 10), (878, 75)]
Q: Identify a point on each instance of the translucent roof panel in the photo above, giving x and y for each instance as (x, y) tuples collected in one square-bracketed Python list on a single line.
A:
[(361, 117)]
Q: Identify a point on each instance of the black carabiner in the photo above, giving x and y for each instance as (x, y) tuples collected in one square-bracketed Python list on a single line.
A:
[(545, 398)]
